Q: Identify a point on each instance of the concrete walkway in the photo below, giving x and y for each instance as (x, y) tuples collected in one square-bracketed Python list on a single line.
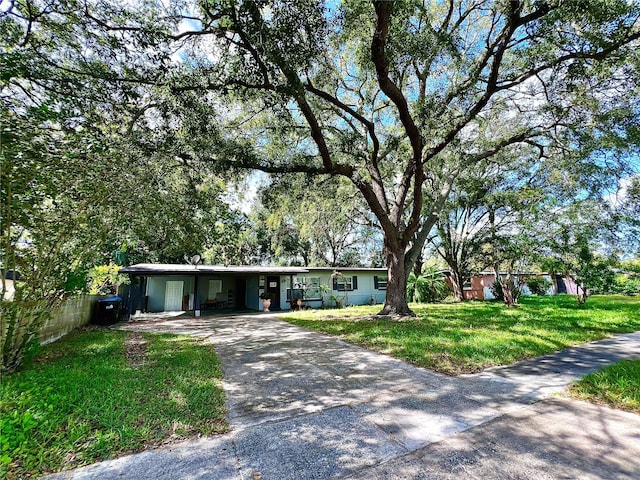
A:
[(303, 405)]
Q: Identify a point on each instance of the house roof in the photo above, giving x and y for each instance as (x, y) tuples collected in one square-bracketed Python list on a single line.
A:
[(12, 275), (166, 268), (177, 269), (346, 269), (502, 272)]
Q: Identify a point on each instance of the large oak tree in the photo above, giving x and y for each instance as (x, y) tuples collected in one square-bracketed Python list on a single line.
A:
[(398, 97)]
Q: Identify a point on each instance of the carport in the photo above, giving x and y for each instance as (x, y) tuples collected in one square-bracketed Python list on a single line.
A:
[(174, 287)]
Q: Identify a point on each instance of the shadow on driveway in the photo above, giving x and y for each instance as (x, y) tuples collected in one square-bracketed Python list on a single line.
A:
[(303, 405)]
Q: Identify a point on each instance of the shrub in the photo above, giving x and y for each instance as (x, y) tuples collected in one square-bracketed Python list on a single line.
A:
[(427, 288), (538, 285), (496, 291), (510, 286), (20, 323), (411, 287), (627, 285), (511, 290), (430, 289)]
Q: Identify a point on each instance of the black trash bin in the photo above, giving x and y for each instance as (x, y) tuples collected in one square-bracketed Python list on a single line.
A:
[(107, 311)]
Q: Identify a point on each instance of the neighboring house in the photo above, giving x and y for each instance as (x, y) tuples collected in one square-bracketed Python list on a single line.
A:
[(172, 287), (478, 287), (9, 284)]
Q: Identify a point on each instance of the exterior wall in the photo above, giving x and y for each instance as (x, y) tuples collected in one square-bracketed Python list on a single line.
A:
[(366, 289), (156, 290), (10, 289), (476, 291), (227, 295), (72, 314), (572, 288), (362, 295), (488, 280), (157, 284), (253, 301)]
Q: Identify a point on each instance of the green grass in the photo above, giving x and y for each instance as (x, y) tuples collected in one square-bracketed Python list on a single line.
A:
[(99, 394), (469, 337), (617, 386)]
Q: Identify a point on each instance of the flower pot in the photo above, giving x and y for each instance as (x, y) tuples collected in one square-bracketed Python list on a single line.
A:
[(266, 303)]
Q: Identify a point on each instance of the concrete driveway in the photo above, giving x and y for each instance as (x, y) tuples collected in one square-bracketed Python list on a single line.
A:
[(303, 405)]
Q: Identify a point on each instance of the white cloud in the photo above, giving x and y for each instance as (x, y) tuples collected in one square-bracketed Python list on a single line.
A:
[(618, 197)]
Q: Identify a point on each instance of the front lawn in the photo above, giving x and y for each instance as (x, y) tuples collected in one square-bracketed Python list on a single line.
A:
[(97, 394), (617, 386), (469, 337)]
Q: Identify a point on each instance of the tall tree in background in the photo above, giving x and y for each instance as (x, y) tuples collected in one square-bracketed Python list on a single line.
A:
[(487, 204), (398, 97), (628, 208), (317, 222), (570, 244)]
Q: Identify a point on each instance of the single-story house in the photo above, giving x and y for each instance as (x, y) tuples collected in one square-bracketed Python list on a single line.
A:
[(478, 287), (173, 287)]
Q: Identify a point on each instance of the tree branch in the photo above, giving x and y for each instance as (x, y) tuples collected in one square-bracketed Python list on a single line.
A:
[(378, 56)]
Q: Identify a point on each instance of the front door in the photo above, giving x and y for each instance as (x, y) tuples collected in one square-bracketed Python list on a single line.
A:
[(173, 296), (241, 294), (273, 289)]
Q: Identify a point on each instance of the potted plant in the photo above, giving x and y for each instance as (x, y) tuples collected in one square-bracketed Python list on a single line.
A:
[(337, 301), (266, 301)]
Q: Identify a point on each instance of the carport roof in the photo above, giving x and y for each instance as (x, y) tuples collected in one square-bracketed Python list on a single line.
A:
[(173, 269)]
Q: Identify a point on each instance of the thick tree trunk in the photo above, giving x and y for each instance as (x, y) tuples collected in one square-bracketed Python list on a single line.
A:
[(396, 301), (510, 290), (457, 283), (507, 291)]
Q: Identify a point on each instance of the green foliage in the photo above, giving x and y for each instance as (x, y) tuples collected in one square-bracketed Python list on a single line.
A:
[(510, 254), (617, 385), (97, 394), (632, 266), (51, 201), (398, 98), (312, 222), (411, 287), (625, 285), (337, 301), (20, 323), (489, 202), (511, 289), (599, 275), (104, 279), (570, 247), (538, 285), (430, 287), (496, 291), (471, 336)]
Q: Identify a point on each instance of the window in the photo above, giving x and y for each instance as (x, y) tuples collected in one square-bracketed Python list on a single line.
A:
[(215, 287), (345, 283), (380, 283), (467, 284), (305, 287)]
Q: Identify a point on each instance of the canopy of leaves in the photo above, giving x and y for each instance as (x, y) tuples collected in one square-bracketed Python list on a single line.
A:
[(317, 222), (398, 97)]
